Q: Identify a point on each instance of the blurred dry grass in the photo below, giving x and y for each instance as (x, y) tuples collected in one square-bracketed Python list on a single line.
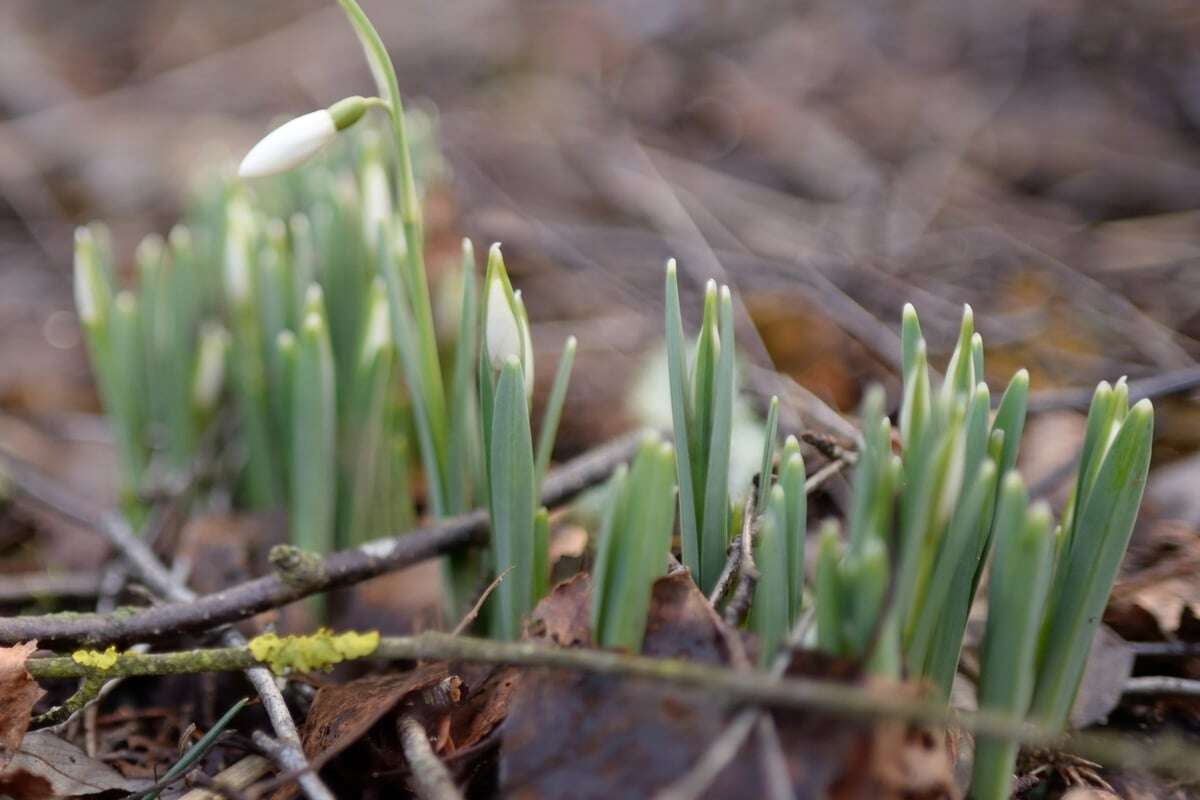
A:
[(1038, 159)]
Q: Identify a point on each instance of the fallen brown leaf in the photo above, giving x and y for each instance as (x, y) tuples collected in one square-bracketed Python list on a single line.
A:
[(47, 767), (18, 694), (341, 715), (583, 735)]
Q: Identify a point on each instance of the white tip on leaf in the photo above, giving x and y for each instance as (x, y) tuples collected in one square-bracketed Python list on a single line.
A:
[(378, 334), (289, 145), (210, 367), (526, 345), (87, 278), (377, 203)]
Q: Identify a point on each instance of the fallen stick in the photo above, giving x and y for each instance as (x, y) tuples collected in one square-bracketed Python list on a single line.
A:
[(1167, 753), (297, 575)]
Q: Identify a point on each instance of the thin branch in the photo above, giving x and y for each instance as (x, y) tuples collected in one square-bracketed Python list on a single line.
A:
[(739, 604), (160, 579), (232, 779), (1166, 649), (1162, 684), (729, 687), (1170, 382), (473, 614), (734, 559), (723, 749), (431, 779), (305, 576), (24, 586), (290, 759)]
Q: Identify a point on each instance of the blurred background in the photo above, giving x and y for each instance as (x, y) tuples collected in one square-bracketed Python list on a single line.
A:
[(830, 160)]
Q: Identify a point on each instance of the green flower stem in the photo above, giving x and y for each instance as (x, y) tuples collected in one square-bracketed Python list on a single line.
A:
[(430, 385)]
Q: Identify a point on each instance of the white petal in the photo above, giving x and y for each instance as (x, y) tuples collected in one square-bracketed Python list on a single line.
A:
[(503, 333), (292, 143)]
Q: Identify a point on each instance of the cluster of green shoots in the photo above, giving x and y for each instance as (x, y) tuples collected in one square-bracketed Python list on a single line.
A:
[(300, 297), (323, 322), (934, 503)]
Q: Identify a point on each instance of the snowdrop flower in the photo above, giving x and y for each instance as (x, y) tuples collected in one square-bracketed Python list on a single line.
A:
[(298, 140)]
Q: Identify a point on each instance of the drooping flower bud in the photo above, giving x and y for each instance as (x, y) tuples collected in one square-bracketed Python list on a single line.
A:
[(299, 139)]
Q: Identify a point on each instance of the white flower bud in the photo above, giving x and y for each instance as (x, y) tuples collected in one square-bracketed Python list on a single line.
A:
[(89, 283), (503, 331), (210, 367), (289, 145)]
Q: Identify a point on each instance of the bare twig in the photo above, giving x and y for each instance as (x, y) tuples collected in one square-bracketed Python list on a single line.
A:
[(723, 749), (160, 579), (818, 478), (431, 780), (1162, 684), (723, 685), (232, 779), (1166, 649), (291, 759), (319, 573), (473, 614), (1170, 382), (734, 559), (739, 604), (776, 777), (24, 586)]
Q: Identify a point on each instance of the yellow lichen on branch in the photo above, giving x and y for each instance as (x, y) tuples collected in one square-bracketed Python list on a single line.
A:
[(96, 659), (317, 651)]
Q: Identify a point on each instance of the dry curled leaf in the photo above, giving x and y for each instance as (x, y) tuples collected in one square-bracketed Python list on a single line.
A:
[(341, 715), (19, 692), (47, 767)]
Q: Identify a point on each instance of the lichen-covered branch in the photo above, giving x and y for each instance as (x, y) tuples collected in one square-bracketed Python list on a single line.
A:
[(733, 688)]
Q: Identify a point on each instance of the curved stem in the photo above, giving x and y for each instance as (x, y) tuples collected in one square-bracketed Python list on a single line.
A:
[(431, 391)]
